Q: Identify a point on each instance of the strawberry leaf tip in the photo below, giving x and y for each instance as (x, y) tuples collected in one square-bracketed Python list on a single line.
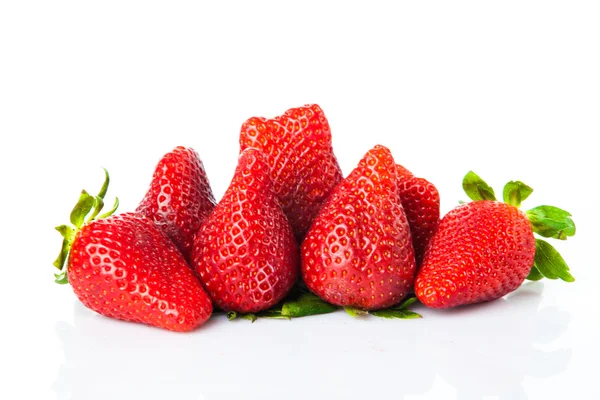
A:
[(476, 188), (87, 203), (551, 222), (231, 315), (550, 263), (355, 312), (515, 192), (534, 274), (82, 208)]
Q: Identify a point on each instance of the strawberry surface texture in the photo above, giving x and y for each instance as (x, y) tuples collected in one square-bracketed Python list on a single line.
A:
[(421, 202), (179, 198), (124, 267), (358, 252), (245, 253), (481, 251), (303, 167)]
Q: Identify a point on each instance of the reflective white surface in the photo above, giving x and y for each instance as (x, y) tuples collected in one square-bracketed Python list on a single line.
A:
[(538, 342), (507, 349), (508, 89)]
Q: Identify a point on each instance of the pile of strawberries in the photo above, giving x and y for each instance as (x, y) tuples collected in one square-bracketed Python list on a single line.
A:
[(292, 237)]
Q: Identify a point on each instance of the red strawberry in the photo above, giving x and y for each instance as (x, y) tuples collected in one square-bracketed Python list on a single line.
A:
[(245, 253), (421, 202), (485, 249), (124, 267), (359, 252), (179, 198), (304, 169)]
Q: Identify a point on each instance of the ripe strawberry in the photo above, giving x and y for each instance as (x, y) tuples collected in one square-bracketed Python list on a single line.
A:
[(485, 249), (245, 253), (304, 169), (124, 267), (421, 202), (179, 198), (358, 252)]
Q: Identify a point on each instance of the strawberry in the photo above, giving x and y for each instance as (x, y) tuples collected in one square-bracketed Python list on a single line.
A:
[(485, 249), (179, 198), (358, 252), (124, 267), (303, 167), (245, 253), (421, 202)]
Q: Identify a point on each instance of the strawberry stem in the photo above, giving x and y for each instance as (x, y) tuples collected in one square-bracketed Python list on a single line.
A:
[(85, 204)]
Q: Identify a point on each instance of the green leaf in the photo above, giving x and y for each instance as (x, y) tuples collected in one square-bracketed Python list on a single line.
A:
[(534, 274), (81, 209), (98, 205), (61, 278), (515, 192), (251, 317), (273, 313), (231, 315), (62, 256), (104, 187), (112, 210), (476, 188), (66, 232), (355, 312), (551, 222), (307, 304), (550, 263), (395, 314), (405, 304), (99, 199)]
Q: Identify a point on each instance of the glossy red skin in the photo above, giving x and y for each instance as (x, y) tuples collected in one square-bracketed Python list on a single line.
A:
[(358, 251), (179, 198), (481, 251), (124, 267), (245, 253), (303, 167), (421, 202)]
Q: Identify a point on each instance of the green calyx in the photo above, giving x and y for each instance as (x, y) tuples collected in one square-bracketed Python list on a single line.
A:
[(546, 221), (86, 210)]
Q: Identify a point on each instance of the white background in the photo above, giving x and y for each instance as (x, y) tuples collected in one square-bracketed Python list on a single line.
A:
[(509, 89)]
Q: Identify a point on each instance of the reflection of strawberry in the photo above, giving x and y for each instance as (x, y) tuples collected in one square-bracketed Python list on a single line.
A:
[(245, 253), (485, 249), (179, 198), (358, 251), (91, 345), (304, 169), (500, 345), (124, 267), (421, 202)]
